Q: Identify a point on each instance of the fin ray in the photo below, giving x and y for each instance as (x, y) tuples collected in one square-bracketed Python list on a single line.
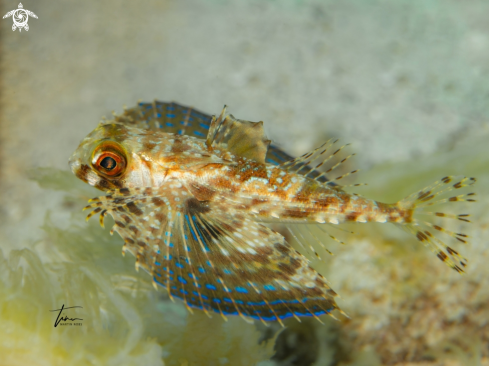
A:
[(211, 260), (424, 230), (240, 137)]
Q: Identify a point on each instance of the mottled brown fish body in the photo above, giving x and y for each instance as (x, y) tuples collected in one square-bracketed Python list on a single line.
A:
[(273, 194)]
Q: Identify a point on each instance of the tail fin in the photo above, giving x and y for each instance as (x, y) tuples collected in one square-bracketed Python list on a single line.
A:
[(424, 230)]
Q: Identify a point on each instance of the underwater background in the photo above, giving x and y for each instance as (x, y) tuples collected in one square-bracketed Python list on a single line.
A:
[(406, 82)]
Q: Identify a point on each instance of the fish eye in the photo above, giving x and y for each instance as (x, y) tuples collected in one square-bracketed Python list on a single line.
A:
[(108, 163), (109, 159)]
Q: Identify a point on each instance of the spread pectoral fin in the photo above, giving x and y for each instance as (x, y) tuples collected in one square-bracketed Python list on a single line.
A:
[(218, 260)]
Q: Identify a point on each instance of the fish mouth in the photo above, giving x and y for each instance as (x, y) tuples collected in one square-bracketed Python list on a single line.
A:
[(86, 174), (73, 163), (80, 170)]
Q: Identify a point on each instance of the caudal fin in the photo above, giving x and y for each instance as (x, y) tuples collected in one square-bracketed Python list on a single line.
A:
[(425, 230)]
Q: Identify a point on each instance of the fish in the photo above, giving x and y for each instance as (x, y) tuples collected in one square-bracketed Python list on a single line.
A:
[(194, 197)]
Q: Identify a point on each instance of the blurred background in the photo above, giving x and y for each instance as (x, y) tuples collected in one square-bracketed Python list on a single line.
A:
[(399, 79)]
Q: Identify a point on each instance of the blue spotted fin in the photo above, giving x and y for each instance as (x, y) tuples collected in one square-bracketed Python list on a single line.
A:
[(168, 117), (175, 118), (213, 259)]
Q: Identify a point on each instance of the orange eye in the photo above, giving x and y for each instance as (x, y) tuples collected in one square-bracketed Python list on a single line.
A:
[(109, 162)]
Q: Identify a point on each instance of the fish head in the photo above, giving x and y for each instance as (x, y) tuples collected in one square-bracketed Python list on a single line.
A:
[(114, 156), (102, 158)]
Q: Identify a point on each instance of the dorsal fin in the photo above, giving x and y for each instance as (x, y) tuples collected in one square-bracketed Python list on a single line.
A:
[(179, 119), (302, 164), (243, 138), (166, 117)]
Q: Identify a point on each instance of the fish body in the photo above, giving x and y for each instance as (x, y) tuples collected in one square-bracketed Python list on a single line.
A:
[(193, 210), (268, 191)]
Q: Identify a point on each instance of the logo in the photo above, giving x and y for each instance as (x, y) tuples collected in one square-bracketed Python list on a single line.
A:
[(66, 320), (20, 17)]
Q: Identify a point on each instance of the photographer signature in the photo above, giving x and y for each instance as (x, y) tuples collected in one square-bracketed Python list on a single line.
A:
[(60, 318)]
